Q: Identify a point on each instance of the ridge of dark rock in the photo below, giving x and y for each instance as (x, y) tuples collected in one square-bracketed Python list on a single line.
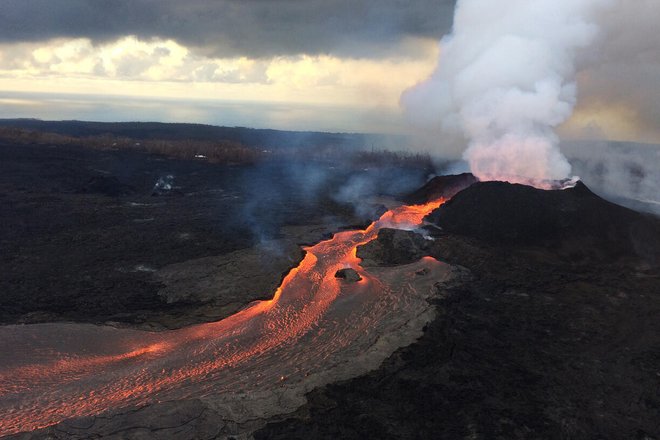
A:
[(393, 247), (348, 274), (440, 186), (575, 219)]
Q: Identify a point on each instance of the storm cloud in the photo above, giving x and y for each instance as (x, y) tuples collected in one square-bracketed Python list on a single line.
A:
[(253, 28)]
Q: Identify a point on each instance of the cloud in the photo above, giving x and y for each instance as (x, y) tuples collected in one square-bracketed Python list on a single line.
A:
[(227, 28), (127, 58), (164, 68), (619, 79)]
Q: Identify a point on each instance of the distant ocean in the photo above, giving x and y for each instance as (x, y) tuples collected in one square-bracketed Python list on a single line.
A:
[(283, 116)]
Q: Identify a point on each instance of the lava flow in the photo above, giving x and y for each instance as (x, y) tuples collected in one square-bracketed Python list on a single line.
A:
[(53, 372)]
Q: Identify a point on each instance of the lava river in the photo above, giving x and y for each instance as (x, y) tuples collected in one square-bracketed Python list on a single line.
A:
[(53, 372)]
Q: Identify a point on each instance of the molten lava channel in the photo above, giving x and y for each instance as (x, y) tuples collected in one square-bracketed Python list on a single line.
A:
[(53, 372)]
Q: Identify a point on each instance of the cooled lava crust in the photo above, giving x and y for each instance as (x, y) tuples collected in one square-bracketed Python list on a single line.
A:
[(575, 219)]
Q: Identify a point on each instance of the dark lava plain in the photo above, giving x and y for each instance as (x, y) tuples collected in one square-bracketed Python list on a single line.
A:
[(83, 231)]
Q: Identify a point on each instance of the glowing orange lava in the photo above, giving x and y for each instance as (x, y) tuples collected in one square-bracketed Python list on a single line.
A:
[(52, 372)]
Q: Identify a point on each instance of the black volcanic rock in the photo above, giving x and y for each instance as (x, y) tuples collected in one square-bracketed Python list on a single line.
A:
[(106, 185), (513, 214), (440, 186), (393, 247), (529, 344), (348, 274)]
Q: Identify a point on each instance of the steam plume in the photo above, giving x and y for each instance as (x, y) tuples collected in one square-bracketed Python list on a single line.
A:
[(505, 80)]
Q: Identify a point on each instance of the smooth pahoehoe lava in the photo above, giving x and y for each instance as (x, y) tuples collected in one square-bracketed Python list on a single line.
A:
[(53, 372)]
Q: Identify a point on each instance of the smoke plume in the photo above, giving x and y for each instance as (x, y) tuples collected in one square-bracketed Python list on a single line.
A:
[(505, 80), (626, 173)]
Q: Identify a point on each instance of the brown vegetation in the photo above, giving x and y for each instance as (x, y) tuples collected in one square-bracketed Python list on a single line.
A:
[(221, 151), (393, 158), (373, 158), (224, 151)]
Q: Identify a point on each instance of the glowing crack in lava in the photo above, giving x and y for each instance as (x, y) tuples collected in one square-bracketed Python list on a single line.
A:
[(53, 372)]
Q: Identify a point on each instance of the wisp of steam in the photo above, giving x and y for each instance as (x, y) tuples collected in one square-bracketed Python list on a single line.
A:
[(505, 80)]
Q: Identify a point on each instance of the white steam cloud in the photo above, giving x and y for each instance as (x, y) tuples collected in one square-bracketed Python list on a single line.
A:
[(505, 80)]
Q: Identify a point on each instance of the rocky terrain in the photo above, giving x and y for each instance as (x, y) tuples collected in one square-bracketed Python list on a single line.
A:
[(133, 238), (548, 329), (553, 332), (574, 222)]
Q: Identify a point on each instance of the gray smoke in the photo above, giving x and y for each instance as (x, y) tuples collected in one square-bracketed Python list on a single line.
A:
[(505, 81), (623, 172)]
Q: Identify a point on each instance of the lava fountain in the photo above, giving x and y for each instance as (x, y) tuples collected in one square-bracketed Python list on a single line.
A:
[(314, 323)]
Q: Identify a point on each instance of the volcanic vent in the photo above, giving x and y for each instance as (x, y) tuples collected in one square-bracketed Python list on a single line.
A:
[(574, 220)]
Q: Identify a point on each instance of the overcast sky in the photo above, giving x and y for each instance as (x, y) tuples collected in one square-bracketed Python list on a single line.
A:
[(225, 28), (314, 64)]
